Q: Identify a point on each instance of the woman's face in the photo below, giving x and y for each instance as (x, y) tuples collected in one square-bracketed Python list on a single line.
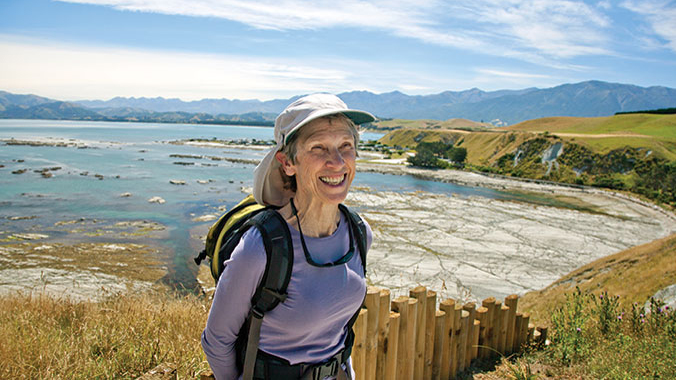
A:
[(325, 161)]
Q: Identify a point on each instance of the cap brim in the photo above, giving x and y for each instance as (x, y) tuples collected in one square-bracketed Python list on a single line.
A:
[(357, 117)]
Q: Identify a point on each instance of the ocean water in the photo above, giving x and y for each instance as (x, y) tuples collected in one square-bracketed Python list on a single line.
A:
[(136, 158)]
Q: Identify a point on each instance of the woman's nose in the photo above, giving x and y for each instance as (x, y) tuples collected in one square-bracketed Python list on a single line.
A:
[(335, 157)]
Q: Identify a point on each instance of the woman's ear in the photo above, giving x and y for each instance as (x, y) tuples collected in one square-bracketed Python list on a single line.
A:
[(288, 167)]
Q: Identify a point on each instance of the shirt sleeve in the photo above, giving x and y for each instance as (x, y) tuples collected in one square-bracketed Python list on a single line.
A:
[(231, 304), (369, 234)]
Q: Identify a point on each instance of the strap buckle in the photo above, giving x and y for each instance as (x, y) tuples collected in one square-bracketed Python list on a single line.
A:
[(321, 371)]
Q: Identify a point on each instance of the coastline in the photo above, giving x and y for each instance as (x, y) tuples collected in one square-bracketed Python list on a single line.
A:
[(467, 248)]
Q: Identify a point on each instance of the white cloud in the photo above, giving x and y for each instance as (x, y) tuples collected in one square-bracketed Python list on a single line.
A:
[(511, 74), (71, 72), (512, 79), (547, 29), (661, 15), (605, 4)]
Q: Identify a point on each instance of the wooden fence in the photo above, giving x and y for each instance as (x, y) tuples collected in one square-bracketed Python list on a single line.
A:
[(407, 338)]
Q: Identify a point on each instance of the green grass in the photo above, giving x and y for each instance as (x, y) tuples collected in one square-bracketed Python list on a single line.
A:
[(658, 126), (592, 332)]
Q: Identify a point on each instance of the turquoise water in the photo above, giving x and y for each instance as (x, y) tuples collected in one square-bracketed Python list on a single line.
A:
[(136, 158)]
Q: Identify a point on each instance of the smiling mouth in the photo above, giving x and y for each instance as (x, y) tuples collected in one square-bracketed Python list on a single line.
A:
[(335, 180)]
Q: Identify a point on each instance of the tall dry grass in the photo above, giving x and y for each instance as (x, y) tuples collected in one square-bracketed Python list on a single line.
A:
[(121, 337)]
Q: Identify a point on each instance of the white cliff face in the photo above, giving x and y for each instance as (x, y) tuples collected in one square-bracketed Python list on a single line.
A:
[(550, 155), (473, 248)]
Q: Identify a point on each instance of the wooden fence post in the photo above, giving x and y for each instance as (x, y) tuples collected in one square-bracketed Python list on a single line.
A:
[(439, 342), (359, 349), (543, 336), (411, 339), (517, 332), (481, 316), (391, 347), (502, 337), (455, 341), (372, 303), (430, 316), (511, 301), (448, 307), (470, 308), (462, 341), (475, 338), (489, 303), (383, 332), (524, 329), (407, 308), (497, 322), (420, 294)]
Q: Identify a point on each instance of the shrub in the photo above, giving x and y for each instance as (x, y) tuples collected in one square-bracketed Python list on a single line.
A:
[(569, 323)]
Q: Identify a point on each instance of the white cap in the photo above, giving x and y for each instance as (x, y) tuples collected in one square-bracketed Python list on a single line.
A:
[(268, 184)]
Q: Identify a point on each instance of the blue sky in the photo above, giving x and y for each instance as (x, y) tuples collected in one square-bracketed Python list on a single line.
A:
[(238, 49)]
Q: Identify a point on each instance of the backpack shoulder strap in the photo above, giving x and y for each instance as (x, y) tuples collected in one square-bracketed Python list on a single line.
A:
[(272, 288), (359, 229), (279, 252)]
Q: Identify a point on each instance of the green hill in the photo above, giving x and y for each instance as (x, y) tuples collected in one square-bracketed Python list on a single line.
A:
[(635, 152)]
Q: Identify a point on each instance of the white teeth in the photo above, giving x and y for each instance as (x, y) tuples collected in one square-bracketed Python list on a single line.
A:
[(333, 180)]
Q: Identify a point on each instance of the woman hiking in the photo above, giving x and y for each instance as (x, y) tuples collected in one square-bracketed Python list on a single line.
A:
[(305, 176)]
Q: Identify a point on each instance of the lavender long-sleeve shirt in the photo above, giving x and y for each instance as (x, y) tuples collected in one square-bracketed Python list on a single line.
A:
[(310, 326)]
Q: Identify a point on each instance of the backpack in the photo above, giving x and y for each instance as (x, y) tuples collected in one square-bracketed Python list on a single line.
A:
[(223, 237)]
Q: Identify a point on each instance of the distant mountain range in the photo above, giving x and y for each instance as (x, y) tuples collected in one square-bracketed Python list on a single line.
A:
[(587, 99)]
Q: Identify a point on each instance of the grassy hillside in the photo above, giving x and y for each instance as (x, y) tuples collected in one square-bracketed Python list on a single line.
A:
[(603, 134), (635, 152), (483, 148), (658, 126), (634, 274)]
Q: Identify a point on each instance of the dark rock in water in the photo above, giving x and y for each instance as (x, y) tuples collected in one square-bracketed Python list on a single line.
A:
[(22, 217), (99, 176), (184, 163), (20, 171), (46, 172), (186, 156), (176, 182)]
